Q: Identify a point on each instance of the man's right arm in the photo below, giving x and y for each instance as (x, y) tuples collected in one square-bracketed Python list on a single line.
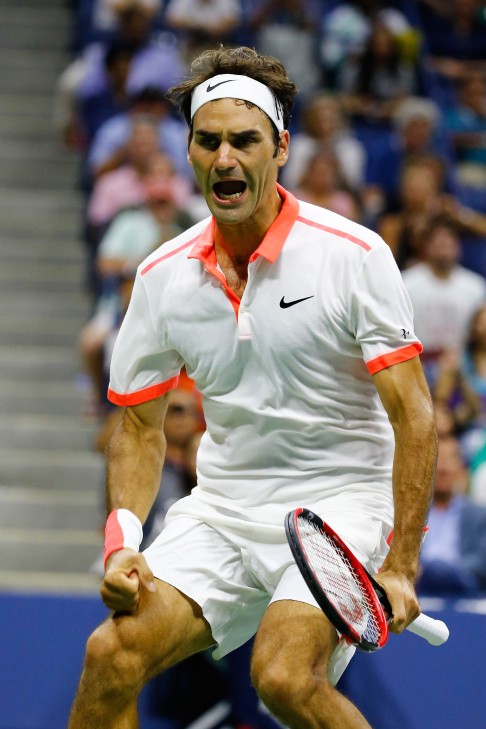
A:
[(135, 459)]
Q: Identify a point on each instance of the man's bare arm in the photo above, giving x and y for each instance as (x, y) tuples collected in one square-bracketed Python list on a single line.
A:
[(135, 459), (404, 393)]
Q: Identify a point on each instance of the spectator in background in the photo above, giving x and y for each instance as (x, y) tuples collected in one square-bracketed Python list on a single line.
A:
[(324, 128), (323, 184), (96, 103), (202, 24), (182, 429), (86, 92), (97, 21), (453, 555), (466, 124), (455, 393), (455, 32), (124, 187), (375, 82), (421, 201), (109, 149), (132, 235), (444, 295), (472, 366), (416, 132), (461, 386), (345, 32), (119, 189), (161, 168), (346, 28), (67, 117), (280, 27)]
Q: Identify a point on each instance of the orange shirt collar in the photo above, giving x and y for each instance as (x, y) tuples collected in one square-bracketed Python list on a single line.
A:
[(270, 246)]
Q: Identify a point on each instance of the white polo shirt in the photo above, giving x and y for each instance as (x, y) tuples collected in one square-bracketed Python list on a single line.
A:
[(292, 414)]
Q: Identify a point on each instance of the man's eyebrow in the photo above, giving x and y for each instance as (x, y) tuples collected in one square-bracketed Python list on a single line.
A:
[(205, 133), (245, 134)]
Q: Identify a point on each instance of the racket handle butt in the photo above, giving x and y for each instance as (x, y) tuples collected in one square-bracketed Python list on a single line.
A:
[(433, 631)]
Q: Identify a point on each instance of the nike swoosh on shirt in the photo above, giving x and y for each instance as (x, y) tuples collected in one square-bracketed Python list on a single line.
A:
[(211, 88), (286, 304)]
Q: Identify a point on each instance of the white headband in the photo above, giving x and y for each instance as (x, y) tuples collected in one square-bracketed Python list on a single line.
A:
[(231, 86)]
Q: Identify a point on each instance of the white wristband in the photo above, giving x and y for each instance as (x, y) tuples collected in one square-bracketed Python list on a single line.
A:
[(123, 531)]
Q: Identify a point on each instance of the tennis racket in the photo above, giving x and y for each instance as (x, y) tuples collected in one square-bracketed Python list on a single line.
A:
[(353, 601)]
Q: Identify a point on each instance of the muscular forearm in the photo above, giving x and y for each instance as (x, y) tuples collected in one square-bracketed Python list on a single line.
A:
[(406, 398), (135, 459), (413, 479)]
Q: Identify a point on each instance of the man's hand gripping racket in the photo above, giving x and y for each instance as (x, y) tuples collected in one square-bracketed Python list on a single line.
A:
[(353, 601)]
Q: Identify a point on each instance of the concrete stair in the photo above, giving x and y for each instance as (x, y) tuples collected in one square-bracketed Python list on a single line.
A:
[(51, 479)]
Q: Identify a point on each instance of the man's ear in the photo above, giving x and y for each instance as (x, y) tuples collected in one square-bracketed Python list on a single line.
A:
[(283, 148), (189, 138)]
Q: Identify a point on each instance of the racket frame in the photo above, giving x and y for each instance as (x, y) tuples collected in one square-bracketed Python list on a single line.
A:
[(373, 590)]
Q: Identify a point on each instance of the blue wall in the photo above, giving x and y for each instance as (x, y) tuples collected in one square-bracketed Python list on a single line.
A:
[(407, 685)]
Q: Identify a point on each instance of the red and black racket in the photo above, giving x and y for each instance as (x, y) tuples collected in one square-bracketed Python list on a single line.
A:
[(353, 601)]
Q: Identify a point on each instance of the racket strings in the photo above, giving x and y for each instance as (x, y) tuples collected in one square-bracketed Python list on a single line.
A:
[(341, 583)]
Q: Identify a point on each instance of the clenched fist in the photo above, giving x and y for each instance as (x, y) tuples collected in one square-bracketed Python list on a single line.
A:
[(126, 574)]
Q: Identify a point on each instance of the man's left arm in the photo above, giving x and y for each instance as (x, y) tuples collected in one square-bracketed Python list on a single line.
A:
[(405, 396)]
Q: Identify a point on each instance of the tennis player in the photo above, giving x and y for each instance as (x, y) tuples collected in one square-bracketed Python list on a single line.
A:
[(297, 330)]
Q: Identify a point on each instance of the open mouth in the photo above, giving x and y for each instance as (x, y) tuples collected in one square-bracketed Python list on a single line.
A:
[(229, 189)]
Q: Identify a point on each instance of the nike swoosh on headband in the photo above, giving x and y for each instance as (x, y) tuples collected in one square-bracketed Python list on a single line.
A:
[(215, 86), (244, 88)]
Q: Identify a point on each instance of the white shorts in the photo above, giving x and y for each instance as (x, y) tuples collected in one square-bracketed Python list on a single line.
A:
[(234, 579)]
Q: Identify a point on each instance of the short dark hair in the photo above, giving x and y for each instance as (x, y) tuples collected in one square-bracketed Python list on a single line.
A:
[(241, 61)]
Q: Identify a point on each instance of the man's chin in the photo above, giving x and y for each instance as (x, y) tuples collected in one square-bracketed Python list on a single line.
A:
[(228, 215)]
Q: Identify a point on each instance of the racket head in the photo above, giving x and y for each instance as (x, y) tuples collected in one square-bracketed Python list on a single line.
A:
[(337, 580)]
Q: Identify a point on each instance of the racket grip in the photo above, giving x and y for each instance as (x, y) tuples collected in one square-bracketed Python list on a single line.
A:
[(434, 631)]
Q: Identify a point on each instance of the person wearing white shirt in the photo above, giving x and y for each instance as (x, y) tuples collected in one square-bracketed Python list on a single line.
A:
[(444, 294), (297, 330)]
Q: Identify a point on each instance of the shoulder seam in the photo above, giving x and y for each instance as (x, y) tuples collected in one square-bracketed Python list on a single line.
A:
[(151, 265), (334, 231)]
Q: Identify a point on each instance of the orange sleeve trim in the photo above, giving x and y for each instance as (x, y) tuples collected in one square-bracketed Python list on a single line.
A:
[(392, 358), (141, 396)]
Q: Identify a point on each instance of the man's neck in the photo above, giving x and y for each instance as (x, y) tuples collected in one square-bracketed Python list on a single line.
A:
[(174, 454), (440, 272), (443, 501), (240, 241)]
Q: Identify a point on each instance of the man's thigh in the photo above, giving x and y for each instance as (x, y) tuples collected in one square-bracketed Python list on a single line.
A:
[(211, 569), (296, 637), (166, 627)]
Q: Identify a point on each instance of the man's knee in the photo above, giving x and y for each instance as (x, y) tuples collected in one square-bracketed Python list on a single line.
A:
[(279, 685), (115, 666)]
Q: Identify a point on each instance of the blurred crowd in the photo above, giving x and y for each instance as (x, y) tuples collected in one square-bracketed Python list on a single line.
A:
[(389, 130)]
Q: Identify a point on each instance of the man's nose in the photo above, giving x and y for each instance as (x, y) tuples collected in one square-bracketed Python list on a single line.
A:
[(225, 156)]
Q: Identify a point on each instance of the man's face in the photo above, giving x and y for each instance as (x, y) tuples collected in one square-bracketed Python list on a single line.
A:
[(233, 155), (417, 133), (449, 469), (181, 421), (143, 144), (442, 249)]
